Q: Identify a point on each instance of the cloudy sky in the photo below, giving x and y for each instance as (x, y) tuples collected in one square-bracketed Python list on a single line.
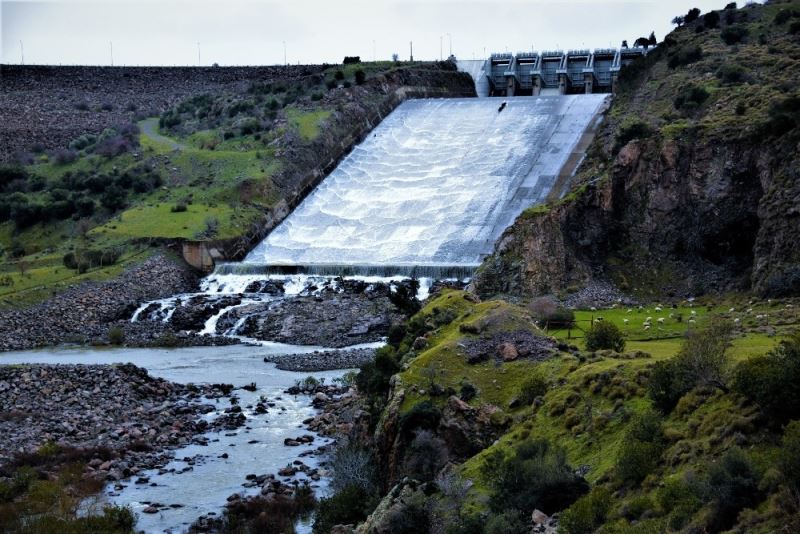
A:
[(248, 32)]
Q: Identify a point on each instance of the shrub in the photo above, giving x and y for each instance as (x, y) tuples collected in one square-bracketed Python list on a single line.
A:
[(404, 297), (360, 76), (632, 130), (784, 117), (785, 15), (425, 456), (63, 156), (508, 522), (731, 74), (547, 312), (180, 207), (789, 455), (316, 96), (351, 60), (535, 475), (734, 34), (347, 84), (587, 514), (373, 377), (534, 386), (338, 75), (711, 19), (684, 55), (730, 6), (347, 506), (690, 98), (116, 336), (794, 28), (467, 392), (114, 198), (772, 381), (424, 415), (692, 15), (353, 466), (641, 448), (702, 361), (604, 335), (732, 487)]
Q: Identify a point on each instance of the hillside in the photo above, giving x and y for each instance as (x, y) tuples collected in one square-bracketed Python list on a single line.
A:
[(691, 186), (218, 169)]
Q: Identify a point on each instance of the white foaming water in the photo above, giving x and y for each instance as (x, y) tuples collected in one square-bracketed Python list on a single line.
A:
[(434, 184)]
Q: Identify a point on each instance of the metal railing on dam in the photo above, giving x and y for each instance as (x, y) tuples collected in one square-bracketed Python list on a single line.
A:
[(550, 72), (431, 189)]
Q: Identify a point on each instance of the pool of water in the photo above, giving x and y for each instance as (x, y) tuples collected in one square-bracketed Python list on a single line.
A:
[(258, 448)]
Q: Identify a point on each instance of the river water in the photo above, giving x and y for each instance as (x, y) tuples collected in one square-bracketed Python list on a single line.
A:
[(256, 448)]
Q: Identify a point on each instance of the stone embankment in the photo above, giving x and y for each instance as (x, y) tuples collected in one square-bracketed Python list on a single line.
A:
[(84, 313), (322, 360), (49, 106), (131, 418)]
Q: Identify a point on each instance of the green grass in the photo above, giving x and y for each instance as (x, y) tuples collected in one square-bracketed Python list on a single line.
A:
[(160, 222), (307, 123)]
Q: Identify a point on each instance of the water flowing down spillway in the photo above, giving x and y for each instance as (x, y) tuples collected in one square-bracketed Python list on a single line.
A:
[(435, 184)]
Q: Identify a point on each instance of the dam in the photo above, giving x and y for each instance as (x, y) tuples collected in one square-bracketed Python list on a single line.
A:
[(432, 187)]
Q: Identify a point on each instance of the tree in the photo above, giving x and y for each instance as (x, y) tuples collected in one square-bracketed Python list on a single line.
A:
[(653, 40), (625, 43), (691, 16), (605, 335), (678, 21), (642, 41)]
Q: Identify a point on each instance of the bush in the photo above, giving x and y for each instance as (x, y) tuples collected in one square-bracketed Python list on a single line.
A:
[(789, 455), (116, 336), (348, 506), (784, 117), (114, 198), (63, 156), (425, 456), (360, 76), (631, 131), (641, 448), (316, 96), (772, 381), (534, 386), (180, 207), (605, 335), (547, 312), (711, 19), (794, 28), (587, 514), (534, 476), (467, 392), (785, 15), (424, 415), (732, 487), (373, 377), (351, 60), (732, 74), (690, 98), (734, 34), (684, 55), (692, 15), (404, 297), (702, 361), (508, 522), (338, 75)]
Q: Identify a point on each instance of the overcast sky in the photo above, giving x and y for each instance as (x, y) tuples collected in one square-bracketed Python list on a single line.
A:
[(250, 32)]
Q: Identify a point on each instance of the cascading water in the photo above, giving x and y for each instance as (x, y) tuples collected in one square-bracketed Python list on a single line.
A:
[(425, 195)]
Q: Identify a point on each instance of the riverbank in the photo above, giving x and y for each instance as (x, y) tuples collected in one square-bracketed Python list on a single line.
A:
[(128, 418)]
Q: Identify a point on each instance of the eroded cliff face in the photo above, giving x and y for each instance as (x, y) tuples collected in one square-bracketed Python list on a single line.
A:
[(669, 216)]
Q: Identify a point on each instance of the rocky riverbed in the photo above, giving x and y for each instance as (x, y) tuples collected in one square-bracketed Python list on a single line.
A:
[(86, 312), (322, 360), (120, 409)]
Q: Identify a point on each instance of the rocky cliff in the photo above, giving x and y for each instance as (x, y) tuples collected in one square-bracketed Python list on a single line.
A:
[(692, 185)]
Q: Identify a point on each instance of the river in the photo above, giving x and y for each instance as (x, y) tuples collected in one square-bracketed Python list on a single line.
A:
[(256, 448)]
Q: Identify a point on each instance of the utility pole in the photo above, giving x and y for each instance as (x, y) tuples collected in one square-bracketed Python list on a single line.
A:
[(285, 63), (111, 51), (198, 53), (450, 38), (441, 54), (374, 56), (21, 53), (411, 47)]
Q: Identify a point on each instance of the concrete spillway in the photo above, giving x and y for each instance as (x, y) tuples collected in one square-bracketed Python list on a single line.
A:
[(434, 185)]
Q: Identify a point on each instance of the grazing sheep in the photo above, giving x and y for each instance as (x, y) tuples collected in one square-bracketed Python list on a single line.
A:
[(732, 310), (647, 327), (693, 313), (626, 321), (749, 310), (593, 308), (692, 321), (648, 319), (629, 311), (660, 320), (736, 321), (658, 308)]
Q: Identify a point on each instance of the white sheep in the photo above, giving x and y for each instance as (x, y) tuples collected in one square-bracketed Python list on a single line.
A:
[(658, 308), (732, 310), (593, 308), (647, 327), (736, 321), (692, 321), (648, 319), (660, 320), (626, 321), (629, 310), (693, 313)]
